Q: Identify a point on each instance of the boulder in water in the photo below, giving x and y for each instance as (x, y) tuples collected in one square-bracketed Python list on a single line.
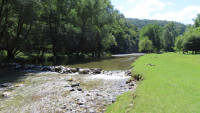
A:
[(84, 71), (74, 70), (6, 85), (59, 69), (97, 71)]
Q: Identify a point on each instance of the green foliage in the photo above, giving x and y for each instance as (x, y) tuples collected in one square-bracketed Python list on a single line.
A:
[(179, 43), (153, 32), (64, 27), (169, 36), (192, 40), (162, 23), (3, 54), (145, 45), (197, 21)]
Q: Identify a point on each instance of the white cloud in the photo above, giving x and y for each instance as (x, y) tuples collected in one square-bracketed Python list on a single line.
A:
[(170, 3), (131, 1), (144, 8), (154, 9), (185, 16)]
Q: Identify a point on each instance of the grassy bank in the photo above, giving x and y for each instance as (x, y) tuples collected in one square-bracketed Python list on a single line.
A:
[(171, 86)]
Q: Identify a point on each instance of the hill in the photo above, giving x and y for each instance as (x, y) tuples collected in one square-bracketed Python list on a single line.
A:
[(143, 22)]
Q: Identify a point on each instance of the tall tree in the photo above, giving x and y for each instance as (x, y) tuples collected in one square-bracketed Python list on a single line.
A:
[(153, 32), (19, 19), (197, 21), (169, 36)]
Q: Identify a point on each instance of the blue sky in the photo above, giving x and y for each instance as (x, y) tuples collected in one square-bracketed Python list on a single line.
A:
[(183, 11)]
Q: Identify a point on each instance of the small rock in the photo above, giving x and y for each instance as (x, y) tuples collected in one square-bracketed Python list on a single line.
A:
[(74, 70), (132, 84), (81, 101), (127, 82), (6, 94), (84, 71), (67, 86), (71, 90), (64, 107), (59, 69), (128, 73), (97, 71), (89, 94), (70, 80), (130, 87), (76, 84), (113, 100), (79, 89), (99, 94), (19, 85), (6, 85)]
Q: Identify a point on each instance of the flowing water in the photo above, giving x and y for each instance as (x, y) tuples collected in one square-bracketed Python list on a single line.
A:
[(46, 92)]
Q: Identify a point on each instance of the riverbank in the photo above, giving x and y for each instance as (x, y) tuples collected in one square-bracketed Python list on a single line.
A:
[(171, 85)]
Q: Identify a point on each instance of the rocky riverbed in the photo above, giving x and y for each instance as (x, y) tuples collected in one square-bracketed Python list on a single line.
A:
[(78, 91)]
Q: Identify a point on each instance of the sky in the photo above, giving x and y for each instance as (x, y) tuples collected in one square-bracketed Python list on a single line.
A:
[(183, 11)]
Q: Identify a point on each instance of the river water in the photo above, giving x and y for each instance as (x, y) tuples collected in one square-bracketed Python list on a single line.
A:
[(46, 92)]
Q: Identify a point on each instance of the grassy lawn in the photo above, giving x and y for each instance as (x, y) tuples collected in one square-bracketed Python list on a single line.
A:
[(171, 86)]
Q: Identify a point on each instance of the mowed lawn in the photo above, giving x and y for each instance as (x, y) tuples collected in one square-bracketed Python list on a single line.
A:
[(171, 86)]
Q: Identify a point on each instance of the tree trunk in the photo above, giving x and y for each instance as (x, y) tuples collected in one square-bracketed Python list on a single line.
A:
[(1, 18), (93, 54), (10, 54)]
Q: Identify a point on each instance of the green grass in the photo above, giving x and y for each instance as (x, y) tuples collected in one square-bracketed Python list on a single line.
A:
[(172, 86)]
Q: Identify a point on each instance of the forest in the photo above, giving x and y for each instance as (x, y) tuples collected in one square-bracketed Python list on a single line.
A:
[(63, 27), (86, 27)]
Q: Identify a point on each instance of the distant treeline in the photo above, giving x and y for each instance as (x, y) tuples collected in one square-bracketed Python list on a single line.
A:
[(173, 36), (143, 22)]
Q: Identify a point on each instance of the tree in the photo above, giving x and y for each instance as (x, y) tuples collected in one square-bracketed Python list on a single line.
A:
[(19, 17), (169, 36), (197, 21), (179, 43), (153, 32), (145, 45), (192, 40), (64, 27)]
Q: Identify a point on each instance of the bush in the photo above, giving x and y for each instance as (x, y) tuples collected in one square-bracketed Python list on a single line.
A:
[(192, 40)]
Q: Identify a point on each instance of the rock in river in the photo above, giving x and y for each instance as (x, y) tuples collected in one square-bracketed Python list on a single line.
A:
[(97, 71), (6, 85), (84, 71), (76, 84), (59, 68), (81, 101), (6, 94)]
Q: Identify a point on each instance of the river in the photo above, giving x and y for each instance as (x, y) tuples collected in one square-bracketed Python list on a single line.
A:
[(33, 91)]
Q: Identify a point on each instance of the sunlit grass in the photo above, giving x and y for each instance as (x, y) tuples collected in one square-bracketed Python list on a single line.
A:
[(171, 86)]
